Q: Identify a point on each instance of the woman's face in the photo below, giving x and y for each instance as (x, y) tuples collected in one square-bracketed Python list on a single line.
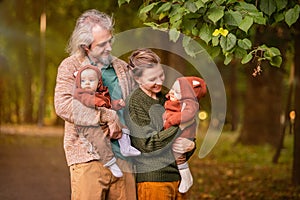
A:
[(151, 80)]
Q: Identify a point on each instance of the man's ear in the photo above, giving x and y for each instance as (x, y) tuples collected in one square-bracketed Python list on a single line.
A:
[(84, 47)]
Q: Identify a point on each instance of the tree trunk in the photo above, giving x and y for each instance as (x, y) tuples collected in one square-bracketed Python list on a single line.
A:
[(234, 98), (264, 101), (263, 106), (296, 161), (43, 68), (3, 67), (1, 101), (285, 120), (26, 87)]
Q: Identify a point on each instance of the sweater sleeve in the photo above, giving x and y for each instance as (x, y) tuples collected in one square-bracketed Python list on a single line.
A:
[(146, 131), (66, 107)]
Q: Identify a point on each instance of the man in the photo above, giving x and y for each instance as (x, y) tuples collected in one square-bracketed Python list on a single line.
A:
[(90, 43)]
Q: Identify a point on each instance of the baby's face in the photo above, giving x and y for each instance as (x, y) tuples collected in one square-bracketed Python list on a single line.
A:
[(89, 80), (175, 93)]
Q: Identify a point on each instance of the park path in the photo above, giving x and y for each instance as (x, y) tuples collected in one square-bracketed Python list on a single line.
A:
[(31, 130), (32, 164)]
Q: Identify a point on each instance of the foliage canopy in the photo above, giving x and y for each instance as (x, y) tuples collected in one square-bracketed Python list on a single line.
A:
[(223, 26)]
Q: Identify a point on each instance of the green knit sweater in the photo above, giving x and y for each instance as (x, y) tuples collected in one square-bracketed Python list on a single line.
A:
[(143, 116)]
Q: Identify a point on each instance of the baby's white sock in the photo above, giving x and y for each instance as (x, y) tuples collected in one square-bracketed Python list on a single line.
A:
[(125, 145), (186, 178), (114, 168)]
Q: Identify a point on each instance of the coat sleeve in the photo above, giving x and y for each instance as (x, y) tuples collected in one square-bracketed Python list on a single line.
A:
[(177, 112), (68, 108), (172, 115), (189, 110)]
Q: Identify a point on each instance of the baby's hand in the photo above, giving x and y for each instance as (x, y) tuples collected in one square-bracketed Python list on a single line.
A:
[(117, 104)]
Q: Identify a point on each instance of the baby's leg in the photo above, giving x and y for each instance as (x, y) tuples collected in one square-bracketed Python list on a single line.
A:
[(101, 142), (114, 168), (125, 145), (185, 173)]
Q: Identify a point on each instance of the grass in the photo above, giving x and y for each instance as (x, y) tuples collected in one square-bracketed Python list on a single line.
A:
[(230, 171), (235, 171)]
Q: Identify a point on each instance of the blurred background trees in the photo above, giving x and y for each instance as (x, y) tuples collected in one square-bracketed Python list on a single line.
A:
[(29, 56), (258, 106)]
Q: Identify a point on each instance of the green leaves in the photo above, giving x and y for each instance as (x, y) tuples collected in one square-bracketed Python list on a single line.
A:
[(263, 52), (250, 11), (144, 10), (233, 18), (223, 25), (227, 43), (174, 34), (245, 44), (273, 55), (292, 15), (246, 23), (268, 6), (247, 58), (193, 6), (188, 46), (205, 33), (164, 8), (121, 2), (148, 8), (176, 15), (276, 61), (281, 4), (228, 59), (215, 13)]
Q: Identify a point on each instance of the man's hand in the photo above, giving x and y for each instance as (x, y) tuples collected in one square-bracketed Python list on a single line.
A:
[(117, 104), (115, 134), (115, 129), (182, 145)]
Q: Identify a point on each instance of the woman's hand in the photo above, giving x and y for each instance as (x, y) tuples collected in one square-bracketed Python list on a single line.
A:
[(182, 145), (111, 119)]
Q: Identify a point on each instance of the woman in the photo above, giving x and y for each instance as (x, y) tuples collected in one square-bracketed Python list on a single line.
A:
[(156, 170)]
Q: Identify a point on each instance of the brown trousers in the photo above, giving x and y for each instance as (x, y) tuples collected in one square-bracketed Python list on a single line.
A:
[(160, 190), (92, 181)]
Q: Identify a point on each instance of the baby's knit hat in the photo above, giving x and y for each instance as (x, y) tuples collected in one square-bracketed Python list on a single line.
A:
[(192, 83), (78, 75)]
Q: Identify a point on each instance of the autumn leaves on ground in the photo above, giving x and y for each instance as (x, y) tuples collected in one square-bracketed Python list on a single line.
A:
[(33, 167)]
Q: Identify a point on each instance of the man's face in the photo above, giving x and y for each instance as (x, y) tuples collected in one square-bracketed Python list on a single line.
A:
[(100, 50)]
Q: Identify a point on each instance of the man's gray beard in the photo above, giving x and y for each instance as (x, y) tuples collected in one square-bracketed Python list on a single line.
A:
[(106, 61)]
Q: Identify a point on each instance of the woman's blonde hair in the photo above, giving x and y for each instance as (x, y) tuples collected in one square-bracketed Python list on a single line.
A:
[(141, 59)]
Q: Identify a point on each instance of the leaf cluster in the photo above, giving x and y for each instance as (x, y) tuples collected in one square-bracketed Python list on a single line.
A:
[(224, 26)]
